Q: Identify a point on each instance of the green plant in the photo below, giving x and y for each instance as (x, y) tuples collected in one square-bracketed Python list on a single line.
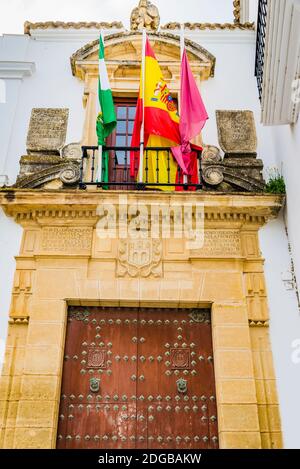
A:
[(275, 183)]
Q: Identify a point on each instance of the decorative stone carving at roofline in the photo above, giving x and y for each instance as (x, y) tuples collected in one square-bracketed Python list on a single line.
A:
[(145, 15), (211, 26), (28, 26)]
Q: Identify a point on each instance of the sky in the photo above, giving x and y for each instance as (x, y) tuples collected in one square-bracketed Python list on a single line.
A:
[(13, 13)]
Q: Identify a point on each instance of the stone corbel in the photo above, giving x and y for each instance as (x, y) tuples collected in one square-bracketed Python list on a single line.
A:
[(231, 173)]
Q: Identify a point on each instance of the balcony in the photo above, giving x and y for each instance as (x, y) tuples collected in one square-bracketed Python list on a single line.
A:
[(260, 44), (116, 174), (277, 62)]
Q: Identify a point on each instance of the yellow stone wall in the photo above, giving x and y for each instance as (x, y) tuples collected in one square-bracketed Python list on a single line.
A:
[(63, 262)]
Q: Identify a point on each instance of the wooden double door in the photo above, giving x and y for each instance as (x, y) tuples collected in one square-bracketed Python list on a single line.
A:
[(138, 378)]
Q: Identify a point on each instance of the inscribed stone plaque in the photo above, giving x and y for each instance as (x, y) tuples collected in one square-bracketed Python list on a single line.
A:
[(47, 130), (236, 131), (66, 239), (217, 243)]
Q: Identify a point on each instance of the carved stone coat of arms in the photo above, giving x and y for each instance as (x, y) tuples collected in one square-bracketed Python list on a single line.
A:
[(139, 258)]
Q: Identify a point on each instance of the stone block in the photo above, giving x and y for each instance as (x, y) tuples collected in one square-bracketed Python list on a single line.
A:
[(238, 417), (233, 364), (236, 391), (46, 333), (38, 388), (38, 414), (240, 440), (231, 337), (43, 360), (34, 438)]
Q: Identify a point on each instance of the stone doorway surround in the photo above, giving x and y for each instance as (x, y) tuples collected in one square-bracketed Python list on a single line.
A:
[(63, 262)]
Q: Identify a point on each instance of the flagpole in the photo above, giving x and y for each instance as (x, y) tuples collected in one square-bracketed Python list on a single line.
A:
[(182, 45), (142, 144), (181, 40), (100, 150)]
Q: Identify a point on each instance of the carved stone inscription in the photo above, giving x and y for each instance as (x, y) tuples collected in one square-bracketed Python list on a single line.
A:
[(236, 131), (47, 130), (218, 243), (66, 239)]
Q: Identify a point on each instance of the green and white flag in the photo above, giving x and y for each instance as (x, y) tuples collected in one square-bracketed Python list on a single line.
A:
[(106, 119)]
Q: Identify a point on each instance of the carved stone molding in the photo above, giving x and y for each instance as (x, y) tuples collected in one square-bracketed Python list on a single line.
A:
[(70, 175), (254, 323), (21, 294), (63, 172), (145, 15), (213, 175), (72, 151), (210, 26), (140, 258), (60, 208), (28, 26), (19, 321)]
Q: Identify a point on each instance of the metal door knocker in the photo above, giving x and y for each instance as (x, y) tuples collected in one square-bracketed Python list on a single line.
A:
[(94, 384), (181, 385)]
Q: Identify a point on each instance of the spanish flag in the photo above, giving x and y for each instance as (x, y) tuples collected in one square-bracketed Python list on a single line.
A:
[(161, 126)]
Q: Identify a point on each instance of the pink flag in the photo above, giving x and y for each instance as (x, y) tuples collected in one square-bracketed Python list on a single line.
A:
[(193, 115)]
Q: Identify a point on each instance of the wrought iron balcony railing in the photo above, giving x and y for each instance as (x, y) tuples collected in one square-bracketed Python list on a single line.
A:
[(116, 171), (260, 44)]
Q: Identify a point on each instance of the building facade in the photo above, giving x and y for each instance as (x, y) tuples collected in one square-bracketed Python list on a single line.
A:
[(114, 340)]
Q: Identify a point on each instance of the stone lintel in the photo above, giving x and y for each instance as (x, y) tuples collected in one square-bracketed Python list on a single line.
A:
[(32, 205)]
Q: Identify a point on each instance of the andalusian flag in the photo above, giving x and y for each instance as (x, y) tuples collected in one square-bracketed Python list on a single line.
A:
[(106, 120), (161, 125)]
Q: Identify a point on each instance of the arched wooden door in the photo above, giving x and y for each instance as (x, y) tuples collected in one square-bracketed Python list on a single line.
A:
[(138, 378)]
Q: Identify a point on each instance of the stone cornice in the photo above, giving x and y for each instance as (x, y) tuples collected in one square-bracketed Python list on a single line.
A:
[(28, 26), (58, 26), (210, 26), (16, 70), (34, 205)]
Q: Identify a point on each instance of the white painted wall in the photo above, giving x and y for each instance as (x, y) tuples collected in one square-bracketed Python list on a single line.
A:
[(284, 329), (286, 140)]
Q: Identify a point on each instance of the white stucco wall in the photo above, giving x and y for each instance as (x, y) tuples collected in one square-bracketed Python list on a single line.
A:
[(284, 328), (286, 140)]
